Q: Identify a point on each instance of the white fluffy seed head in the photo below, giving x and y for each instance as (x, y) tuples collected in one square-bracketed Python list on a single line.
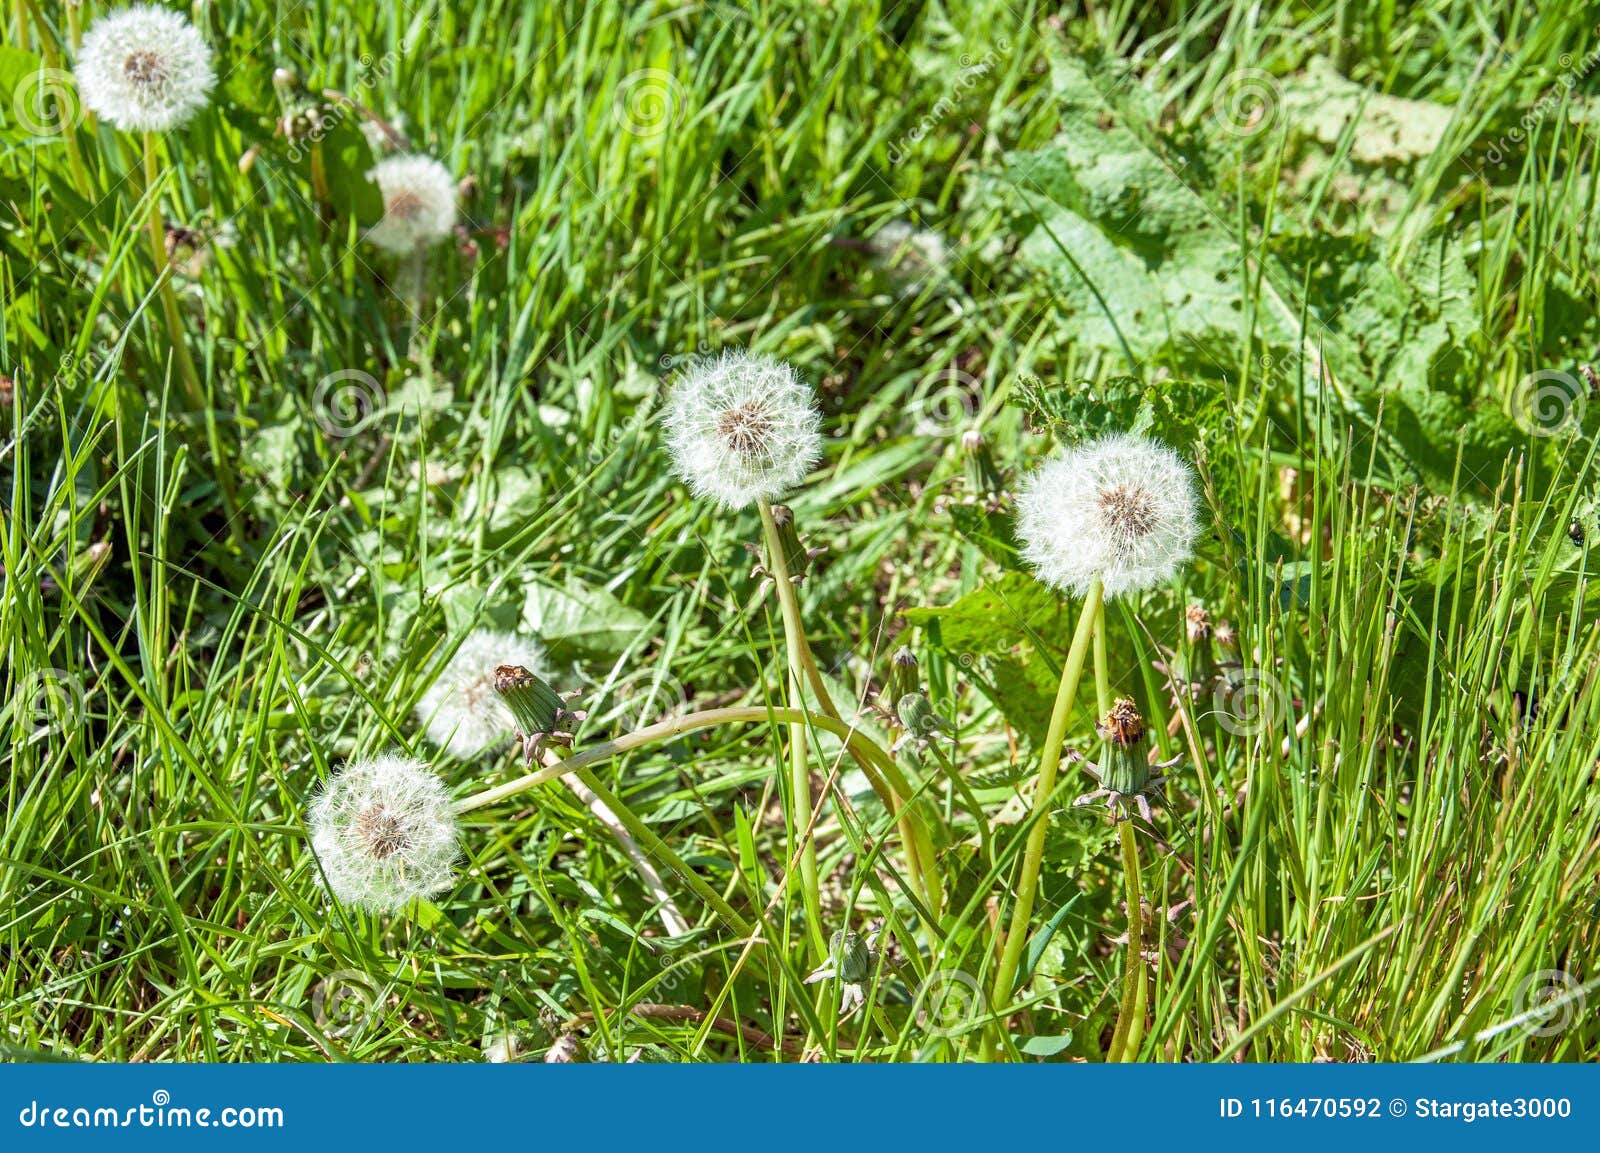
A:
[(1121, 508), (385, 832), (144, 69), (742, 428), (463, 714), (419, 203)]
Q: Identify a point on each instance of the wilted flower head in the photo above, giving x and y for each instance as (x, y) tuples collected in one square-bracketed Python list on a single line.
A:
[(384, 832), (1121, 508), (463, 713), (742, 428), (419, 203), (144, 69)]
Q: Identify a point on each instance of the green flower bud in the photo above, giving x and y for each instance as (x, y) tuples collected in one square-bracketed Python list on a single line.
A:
[(1126, 771), (902, 676), (852, 957), (540, 712), (796, 557)]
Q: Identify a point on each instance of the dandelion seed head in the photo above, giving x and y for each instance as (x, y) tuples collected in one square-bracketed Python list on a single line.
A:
[(144, 69), (742, 428), (1121, 508), (384, 832), (419, 203), (461, 710)]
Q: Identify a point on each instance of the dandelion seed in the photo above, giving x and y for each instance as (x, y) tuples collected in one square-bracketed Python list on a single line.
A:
[(1121, 508), (743, 428), (144, 69), (419, 203), (384, 832), (461, 710)]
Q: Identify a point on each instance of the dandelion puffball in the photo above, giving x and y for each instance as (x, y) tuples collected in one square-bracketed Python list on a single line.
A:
[(742, 428), (419, 203), (463, 713), (385, 832), (144, 69), (1121, 508)]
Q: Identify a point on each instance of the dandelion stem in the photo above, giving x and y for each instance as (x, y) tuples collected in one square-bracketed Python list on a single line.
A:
[(1043, 794), (169, 301), (652, 734), (52, 60), (654, 846), (1129, 1028), (885, 776), (799, 767)]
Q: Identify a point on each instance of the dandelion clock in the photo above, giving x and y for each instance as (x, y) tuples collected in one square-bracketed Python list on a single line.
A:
[(144, 69), (385, 832)]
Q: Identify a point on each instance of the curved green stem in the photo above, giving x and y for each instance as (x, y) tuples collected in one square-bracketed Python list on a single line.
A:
[(1043, 796), (169, 302), (885, 776), (653, 846), (799, 766), (663, 731)]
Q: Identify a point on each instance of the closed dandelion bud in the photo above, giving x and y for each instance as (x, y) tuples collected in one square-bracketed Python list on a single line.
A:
[(796, 556), (1227, 640), (921, 724), (977, 462), (144, 69), (285, 80), (852, 956), (742, 428), (1120, 509), (902, 678), (463, 713), (384, 832), (541, 713), (1126, 770)]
